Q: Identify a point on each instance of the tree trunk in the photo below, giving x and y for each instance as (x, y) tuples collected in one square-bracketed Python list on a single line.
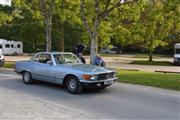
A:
[(48, 34), (94, 45), (94, 40), (34, 45), (61, 43), (150, 55)]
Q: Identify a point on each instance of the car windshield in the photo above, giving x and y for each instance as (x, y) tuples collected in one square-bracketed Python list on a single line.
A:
[(177, 51), (65, 58)]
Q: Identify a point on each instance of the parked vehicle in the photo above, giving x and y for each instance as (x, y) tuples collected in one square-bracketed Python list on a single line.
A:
[(11, 47), (65, 68), (177, 54), (2, 60), (113, 50)]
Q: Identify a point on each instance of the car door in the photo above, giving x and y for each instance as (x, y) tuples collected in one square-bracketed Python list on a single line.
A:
[(60, 69), (45, 69)]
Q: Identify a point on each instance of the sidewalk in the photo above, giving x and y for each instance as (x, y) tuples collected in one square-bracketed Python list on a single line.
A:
[(151, 68)]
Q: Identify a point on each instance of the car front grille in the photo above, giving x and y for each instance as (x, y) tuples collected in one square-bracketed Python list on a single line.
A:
[(104, 76)]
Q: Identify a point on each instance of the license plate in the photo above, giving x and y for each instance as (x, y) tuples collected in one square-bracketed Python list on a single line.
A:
[(99, 84), (108, 82)]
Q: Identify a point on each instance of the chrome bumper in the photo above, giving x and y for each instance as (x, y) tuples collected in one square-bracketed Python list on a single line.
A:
[(97, 81)]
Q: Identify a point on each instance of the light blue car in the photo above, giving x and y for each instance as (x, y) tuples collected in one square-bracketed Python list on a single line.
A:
[(65, 68)]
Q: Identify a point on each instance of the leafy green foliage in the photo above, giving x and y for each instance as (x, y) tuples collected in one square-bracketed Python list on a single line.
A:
[(143, 24), (147, 24), (5, 15)]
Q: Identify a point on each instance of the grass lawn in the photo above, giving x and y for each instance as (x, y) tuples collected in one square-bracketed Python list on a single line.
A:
[(110, 55), (146, 62), (146, 56), (9, 65), (161, 80)]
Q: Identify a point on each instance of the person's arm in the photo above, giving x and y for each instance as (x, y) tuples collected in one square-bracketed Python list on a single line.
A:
[(103, 62)]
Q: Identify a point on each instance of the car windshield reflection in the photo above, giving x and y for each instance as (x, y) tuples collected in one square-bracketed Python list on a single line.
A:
[(65, 58)]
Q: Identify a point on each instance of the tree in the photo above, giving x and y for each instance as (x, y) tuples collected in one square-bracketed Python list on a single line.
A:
[(5, 14), (146, 24), (28, 26), (67, 12), (153, 26), (93, 13), (47, 8), (172, 10), (124, 24)]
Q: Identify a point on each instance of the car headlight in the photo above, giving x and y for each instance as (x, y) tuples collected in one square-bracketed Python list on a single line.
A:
[(94, 77), (90, 77)]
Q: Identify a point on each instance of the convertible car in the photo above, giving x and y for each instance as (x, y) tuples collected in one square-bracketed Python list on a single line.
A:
[(65, 68)]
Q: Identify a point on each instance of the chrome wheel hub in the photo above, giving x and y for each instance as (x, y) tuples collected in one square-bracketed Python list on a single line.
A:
[(26, 77), (72, 84)]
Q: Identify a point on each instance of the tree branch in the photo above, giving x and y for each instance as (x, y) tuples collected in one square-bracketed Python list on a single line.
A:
[(43, 7), (107, 5), (47, 12), (84, 19), (106, 12), (51, 8), (96, 7)]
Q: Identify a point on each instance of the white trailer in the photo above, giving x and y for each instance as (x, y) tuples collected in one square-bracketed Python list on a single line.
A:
[(177, 54), (11, 47)]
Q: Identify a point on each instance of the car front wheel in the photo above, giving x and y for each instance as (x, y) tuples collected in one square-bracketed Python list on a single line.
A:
[(73, 85), (26, 77)]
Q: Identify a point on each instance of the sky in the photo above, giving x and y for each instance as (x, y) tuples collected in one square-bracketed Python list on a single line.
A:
[(5, 2)]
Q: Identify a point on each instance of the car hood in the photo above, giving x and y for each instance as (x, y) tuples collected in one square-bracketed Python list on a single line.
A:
[(88, 68)]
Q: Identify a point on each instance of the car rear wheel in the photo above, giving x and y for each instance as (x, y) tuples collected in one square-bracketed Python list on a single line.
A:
[(26, 77), (73, 85)]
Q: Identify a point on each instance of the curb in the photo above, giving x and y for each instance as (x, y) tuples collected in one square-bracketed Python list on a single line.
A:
[(130, 69), (167, 72)]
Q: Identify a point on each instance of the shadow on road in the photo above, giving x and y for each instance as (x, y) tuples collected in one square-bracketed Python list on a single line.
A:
[(40, 88)]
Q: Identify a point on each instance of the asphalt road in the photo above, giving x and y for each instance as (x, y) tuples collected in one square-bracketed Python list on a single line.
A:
[(119, 101)]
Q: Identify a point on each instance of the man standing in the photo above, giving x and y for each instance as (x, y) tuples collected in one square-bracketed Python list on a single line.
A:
[(79, 47)]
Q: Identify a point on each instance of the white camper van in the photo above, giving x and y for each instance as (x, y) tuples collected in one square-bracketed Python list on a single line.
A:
[(2, 60), (11, 47), (177, 54)]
